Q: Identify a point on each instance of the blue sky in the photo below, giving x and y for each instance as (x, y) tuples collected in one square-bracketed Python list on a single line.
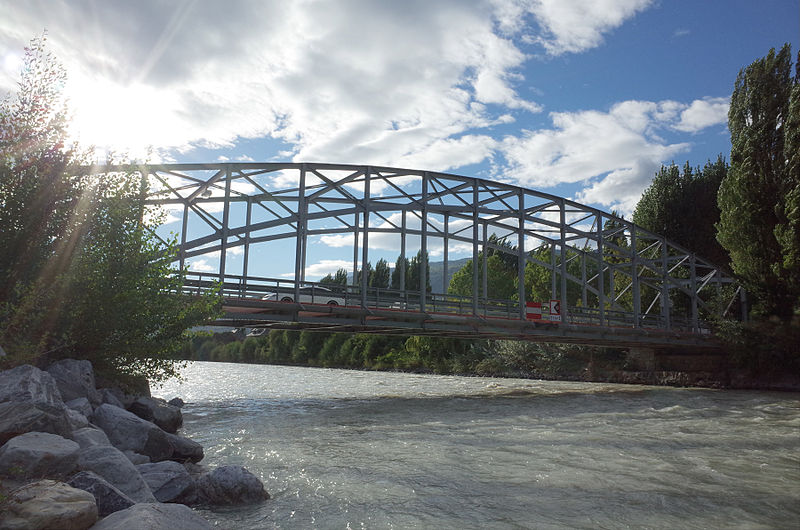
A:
[(585, 99)]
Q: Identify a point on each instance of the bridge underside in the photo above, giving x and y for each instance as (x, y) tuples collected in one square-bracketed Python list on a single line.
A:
[(319, 317)]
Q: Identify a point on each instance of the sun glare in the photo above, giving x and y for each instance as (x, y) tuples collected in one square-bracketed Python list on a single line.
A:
[(126, 120)]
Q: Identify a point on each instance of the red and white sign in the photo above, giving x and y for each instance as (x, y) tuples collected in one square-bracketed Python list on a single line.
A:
[(550, 311), (533, 310), (555, 310)]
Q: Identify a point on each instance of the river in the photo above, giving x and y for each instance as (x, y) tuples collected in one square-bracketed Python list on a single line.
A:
[(350, 449)]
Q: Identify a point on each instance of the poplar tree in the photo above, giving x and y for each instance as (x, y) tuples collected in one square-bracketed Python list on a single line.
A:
[(758, 199)]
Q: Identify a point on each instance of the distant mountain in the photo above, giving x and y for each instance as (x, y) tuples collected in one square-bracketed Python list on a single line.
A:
[(437, 273), (438, 285)]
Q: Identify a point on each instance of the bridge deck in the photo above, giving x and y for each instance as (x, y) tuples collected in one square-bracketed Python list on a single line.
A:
[(446, 315)]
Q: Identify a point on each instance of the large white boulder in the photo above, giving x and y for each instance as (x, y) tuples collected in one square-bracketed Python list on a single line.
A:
[(154, 517), (113, 466), (28, 384), (30, 401), (46, 505), (75, 379), (127, 431), (38, 454)]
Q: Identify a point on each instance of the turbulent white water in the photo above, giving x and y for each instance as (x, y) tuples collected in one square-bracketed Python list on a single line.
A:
[(348, 449)]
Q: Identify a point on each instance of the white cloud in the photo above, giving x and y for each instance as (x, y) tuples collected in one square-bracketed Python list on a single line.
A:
[(616, 152), (704, 113), (352, 81), (322, 268), (202, 265), (571, 26)]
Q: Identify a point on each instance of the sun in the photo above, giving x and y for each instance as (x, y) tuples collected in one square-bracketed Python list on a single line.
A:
[(129, 120)]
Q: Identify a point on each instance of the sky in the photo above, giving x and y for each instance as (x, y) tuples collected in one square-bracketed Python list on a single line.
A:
[(581, 98)]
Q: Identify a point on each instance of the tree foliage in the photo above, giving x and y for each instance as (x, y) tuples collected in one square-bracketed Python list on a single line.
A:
[(82, 273), (682, 206), (758, 199)]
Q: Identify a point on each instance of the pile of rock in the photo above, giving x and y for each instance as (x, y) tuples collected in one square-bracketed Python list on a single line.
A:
[(72, 453)]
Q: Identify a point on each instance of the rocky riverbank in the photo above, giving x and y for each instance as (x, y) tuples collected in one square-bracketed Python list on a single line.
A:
[(75, 456)]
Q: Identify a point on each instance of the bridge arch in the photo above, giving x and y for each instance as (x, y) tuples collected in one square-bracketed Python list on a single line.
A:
[(607, 271)]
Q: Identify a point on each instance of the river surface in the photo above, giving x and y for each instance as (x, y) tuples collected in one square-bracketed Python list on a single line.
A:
[(349, 449)]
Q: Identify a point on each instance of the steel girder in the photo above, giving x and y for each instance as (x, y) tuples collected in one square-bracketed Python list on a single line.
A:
[(599, 264)]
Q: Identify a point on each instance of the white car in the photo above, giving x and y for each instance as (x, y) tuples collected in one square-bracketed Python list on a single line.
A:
[(308, 295)]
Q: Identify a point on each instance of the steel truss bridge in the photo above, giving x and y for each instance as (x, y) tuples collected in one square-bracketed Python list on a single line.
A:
[(618, 284)]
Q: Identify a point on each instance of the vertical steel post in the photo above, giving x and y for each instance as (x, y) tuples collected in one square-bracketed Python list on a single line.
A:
[(445, 245), (485, 263), (226, 214), (248, 220), (521, 256), (563, 297), (299, 264), (423, 244), (355, 247), (184, 225), (475, 199), (402, 261), (637, 300), (584, 300), (552, 269), (601, 288), (365, 241), (693, 285), (665, 309)]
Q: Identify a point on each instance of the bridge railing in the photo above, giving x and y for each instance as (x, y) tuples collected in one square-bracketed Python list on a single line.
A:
[(255, 289)]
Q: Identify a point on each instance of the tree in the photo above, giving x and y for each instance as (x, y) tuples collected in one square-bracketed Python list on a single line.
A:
[(380, 277), (414, 275), (400, 267), (682, 206), (758, 199), (340, 278), (83, 274), (501, 282)]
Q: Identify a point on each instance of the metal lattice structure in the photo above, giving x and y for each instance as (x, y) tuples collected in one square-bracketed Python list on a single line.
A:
[(618, 283)]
